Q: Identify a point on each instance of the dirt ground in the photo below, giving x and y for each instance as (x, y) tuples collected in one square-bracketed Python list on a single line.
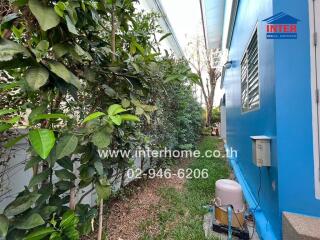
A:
[(126, 214)]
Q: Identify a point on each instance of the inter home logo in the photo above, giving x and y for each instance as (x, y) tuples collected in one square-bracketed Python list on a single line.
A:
[(281, 26)]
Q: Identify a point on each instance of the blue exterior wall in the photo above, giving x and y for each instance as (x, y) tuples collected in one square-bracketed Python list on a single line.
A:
[(294, 115), (285, 112), (240, 126)]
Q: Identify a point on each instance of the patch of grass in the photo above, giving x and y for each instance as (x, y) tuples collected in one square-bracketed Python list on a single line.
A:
[(145, 224), (182, 217)]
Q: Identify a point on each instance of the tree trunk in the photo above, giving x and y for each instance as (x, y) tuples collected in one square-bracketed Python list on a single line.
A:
[(123, 177), (209, 114), (72, 202), (100, 220), (211, 88), (210, 105), (113, 59), (113, 33)]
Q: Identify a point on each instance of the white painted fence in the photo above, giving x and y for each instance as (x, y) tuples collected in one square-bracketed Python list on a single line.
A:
[(13, 178)]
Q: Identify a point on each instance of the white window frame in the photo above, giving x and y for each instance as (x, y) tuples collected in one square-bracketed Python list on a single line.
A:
[(243, 110), (314, 58)]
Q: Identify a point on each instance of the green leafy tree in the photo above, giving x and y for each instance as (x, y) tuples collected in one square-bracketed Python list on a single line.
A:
[(80, 76)]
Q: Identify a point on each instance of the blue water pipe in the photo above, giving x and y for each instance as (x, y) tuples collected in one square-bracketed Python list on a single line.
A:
[(230, 222), (263, 227)]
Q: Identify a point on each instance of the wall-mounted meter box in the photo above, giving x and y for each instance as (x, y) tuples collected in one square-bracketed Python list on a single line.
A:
[(261, 151)]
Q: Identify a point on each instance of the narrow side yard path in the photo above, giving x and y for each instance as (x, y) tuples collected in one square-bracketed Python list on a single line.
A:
[(168, 208)]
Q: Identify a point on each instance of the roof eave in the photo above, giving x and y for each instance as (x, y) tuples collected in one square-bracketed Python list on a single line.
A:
[(233, 14), (213, 21)]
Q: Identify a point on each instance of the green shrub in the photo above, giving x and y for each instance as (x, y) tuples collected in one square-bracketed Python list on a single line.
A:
[(216, 117), (80, 76), (206, 131)]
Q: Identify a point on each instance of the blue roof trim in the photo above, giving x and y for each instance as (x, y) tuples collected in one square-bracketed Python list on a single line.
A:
[(281, 18)]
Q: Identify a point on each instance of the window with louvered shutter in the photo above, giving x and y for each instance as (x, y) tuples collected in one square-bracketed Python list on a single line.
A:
[(250, 95)]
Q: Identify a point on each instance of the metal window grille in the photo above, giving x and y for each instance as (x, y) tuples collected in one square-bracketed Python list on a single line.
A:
[(250, 95)]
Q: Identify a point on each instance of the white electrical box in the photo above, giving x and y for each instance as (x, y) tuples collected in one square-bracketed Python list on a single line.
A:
[(261, 153)]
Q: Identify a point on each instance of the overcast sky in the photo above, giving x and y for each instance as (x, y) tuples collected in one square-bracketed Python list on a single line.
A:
[(185, 18)]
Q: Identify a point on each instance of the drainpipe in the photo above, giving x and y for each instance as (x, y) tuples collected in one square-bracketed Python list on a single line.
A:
[(230, 222), (263, 226)]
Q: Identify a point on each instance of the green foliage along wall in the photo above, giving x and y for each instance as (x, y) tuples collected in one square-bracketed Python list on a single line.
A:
[(80, 76), (216, 117), (182, 119)]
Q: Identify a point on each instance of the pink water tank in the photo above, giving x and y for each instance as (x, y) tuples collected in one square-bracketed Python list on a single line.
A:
[(229, 192)]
